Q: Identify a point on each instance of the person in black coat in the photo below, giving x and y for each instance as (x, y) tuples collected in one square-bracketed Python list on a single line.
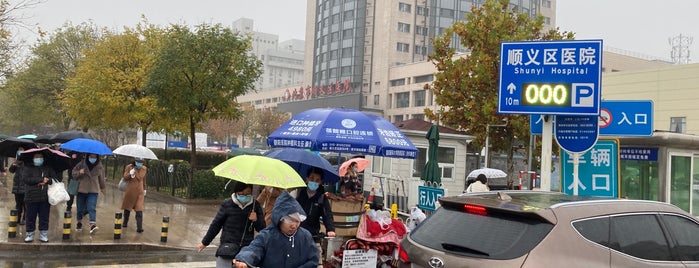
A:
[(237, 216), (37, 177), (315, 205), (18, 186)]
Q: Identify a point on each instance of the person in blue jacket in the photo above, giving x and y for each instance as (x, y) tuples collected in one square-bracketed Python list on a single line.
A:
[(283, 244)]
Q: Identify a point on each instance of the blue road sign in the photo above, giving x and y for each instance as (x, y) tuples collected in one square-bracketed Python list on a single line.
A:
[(617, 118), (428, 197), (576, 133), (626, 118), (550, 77), (598, 171)]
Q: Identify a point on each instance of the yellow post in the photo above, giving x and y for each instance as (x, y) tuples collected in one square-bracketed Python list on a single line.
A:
[(394, 211), (67, 221), (163, 230), (12, 225), (118, 219)]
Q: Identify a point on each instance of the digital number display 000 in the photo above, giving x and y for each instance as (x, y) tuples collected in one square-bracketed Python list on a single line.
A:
[(545, 94)]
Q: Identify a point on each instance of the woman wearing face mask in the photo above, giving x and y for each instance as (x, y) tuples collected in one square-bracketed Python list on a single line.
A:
[(237, 216), (37, 177), (135, 194), (90, 175), (18, 185)]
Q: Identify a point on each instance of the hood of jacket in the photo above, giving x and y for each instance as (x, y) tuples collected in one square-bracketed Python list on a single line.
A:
[(285, 205)]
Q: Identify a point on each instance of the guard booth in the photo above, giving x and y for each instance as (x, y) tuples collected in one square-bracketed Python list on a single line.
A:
[(663, 167)]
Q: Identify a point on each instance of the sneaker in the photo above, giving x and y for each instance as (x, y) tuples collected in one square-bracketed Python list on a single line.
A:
[(29, 238), (93, 228), (79, 227)]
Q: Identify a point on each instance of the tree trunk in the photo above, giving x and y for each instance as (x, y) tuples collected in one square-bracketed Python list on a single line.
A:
[(144, 134)]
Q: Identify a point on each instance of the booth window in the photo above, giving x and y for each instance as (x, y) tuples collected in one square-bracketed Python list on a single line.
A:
[(678, 124)]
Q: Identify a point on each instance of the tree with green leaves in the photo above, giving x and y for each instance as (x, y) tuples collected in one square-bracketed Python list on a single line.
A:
[(108, 88), (269, 120), (200, 72), (466, 87), (36, 88)]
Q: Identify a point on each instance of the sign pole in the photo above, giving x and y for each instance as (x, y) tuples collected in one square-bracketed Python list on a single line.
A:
[(546, 145), (576, 179)]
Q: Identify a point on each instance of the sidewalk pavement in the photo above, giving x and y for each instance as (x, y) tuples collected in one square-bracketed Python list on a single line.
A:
[(188, 222)]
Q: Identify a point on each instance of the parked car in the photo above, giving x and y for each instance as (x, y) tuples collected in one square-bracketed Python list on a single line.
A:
[(549, 229)]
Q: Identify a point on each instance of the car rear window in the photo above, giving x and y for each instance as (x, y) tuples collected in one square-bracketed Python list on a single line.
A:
[(495, 236)]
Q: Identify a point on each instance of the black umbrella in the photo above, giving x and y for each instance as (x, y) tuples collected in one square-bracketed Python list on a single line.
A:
[(44, 138), (8, 147), (53, 158), (65, 136)]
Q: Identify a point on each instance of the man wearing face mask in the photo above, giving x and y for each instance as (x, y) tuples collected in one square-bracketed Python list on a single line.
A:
[(316, 205), (135, 194), (237, 217), (90, 175)]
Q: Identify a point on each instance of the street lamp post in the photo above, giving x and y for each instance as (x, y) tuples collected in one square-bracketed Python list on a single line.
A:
[(487, 139)]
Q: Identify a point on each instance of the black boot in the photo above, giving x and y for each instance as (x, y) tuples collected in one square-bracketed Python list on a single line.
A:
[(139, 221), (127, 214)]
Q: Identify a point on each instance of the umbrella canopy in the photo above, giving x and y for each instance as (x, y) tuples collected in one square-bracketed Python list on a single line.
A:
[(136, 151), (53, 158), (260, 170), (302, 161), (27, 137), (488, 172), (431, 173), (65, 136), (362, 163), (242, 151), (88, 146), (343, 130), (3, 136), (44, 138), (8, 147)]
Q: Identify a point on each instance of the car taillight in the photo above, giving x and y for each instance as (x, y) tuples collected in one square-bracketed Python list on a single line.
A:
[(478, 210), (403, 255)]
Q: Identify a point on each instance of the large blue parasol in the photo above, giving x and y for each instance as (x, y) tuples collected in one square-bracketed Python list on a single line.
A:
[(345, 131)]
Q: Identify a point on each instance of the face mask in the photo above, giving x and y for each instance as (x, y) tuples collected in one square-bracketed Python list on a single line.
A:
[(19, 152), (139, 165), (38, 162), (92, 160), (243, 198), (313, 185), (355, 169)]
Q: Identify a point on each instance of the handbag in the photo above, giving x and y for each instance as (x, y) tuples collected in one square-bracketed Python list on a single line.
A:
[(73, 187), (123, 184), (57, 193), (228, 250)]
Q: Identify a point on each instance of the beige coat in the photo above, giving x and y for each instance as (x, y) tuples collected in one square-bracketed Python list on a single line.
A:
[(267, 199), (134, 195), (92, 181)]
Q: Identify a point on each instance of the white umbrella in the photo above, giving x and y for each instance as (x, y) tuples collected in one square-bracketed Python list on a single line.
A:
[(488, 172), (135, 150)]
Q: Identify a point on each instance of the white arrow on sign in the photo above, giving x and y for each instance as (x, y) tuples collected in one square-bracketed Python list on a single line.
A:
[(511, 88)]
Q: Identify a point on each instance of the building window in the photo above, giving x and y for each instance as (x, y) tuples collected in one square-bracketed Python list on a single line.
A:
[(419, 98), (347, 34), (403, 7), (397, 118), (348, 15), (347, 52), (403, 27), (678, 124), (346, 71), (403, 47), (419, 116), (424, 78), (446, 13), (398, 82), (334, 36), (376, 99), (420, 50), (402, 100), (446, 161), (422, 11), (421, 30), (547, 20), (546, 3)]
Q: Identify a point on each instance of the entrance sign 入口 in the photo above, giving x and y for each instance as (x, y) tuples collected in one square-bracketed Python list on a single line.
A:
[(616, 118), (550, 77)]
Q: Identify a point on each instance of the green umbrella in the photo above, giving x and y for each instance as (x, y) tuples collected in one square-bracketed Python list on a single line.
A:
[(260, 170), (432, 174)]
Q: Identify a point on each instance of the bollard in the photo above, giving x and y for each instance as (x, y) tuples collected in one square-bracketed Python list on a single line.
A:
[(163, 230), (394, 211), (67, 221), (118, 219), (12, 227)]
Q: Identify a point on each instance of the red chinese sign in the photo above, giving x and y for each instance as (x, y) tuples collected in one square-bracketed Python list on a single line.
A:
[(308, 92)]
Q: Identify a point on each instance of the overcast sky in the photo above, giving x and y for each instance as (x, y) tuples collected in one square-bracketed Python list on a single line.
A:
[(632, 25)]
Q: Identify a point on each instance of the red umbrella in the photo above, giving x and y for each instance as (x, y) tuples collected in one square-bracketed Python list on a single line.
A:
[(53, 158), (362, 163)]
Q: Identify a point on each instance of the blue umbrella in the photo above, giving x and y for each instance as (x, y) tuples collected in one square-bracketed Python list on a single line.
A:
[(88, 146), (345, 131), (302, 160)]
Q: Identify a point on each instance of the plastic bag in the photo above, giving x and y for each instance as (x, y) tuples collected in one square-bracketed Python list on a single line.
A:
[(416, 215), (57, 193), (380, 216), (123, 184)]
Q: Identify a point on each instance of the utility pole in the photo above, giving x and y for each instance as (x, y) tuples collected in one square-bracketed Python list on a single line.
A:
[(680, 48)]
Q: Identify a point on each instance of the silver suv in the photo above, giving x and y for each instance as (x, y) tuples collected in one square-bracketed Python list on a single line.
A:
[(547, 229)]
